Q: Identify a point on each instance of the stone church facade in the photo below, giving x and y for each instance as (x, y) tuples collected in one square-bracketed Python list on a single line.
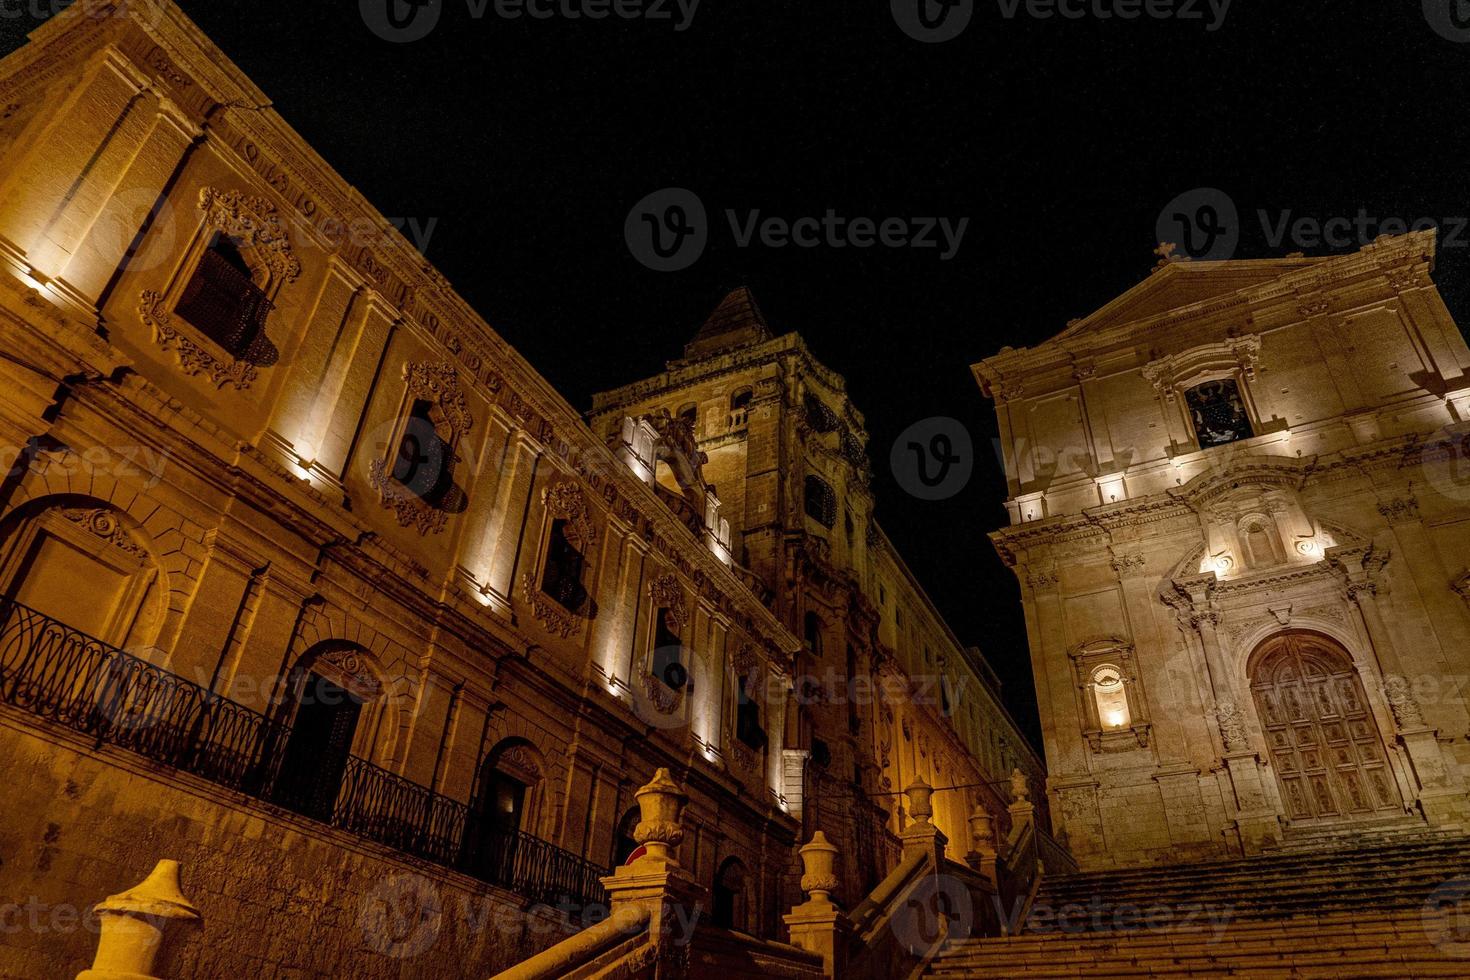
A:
[(1240, 518), (309, 581)]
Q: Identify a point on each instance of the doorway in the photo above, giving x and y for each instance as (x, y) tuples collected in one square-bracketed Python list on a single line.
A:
[(1325, 746)]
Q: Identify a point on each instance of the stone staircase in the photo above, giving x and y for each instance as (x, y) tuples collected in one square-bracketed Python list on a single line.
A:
[(1374, 905)]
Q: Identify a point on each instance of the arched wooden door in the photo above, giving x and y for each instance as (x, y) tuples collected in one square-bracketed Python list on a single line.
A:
[(1325, 746)]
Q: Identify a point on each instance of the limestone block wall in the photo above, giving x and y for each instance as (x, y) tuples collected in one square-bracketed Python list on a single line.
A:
[(281, 896)]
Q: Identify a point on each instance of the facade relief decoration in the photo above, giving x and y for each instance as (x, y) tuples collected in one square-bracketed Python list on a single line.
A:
[(194, 359), (566, 501), (437, 384), (253, 223), (105, 525), (548, 612)]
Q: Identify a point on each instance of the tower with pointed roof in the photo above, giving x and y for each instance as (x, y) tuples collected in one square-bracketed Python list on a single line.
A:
[(783, 450)]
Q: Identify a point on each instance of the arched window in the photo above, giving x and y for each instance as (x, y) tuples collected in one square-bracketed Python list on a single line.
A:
[(1111, 697), (328, 690), (821, 501), (728, 895), (223, 299), (506, 804), (812, 633), (740, 401), (623, 843), (1262, 544)]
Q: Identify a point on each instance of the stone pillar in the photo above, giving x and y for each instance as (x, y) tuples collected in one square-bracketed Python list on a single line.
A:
[(510, 511), (136, 923), (1257, 823), (818, 925), (921, 834), (655, 882), (982, 856), (1442, 803)]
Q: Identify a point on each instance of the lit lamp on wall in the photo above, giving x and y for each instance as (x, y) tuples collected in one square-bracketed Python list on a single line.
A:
[(1111, 697)]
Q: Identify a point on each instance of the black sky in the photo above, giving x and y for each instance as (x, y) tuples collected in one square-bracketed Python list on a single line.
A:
[(526, 143)]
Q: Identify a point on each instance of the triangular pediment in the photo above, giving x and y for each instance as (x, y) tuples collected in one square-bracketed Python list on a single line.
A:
[(1179, 285)]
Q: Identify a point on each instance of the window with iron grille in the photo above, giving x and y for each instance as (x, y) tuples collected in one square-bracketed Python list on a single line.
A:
[(821, 501), (562, 578), (223, 301)]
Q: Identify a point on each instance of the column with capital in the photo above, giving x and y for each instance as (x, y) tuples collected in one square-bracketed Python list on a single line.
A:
[(1257, 817), (1439, 797)]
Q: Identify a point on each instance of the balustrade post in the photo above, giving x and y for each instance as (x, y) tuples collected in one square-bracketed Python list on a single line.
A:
[(655, 881), (136, 923), (818, 925), (982, 856), (921, 834)]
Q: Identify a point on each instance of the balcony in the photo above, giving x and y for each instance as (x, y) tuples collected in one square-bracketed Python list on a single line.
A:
[(67, 677)]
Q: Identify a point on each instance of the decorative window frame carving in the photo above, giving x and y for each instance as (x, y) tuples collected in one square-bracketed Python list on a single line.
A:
[(261, 236), (436, 382), (1233, 359), (566, 501), (1118, 653), (665, 592)]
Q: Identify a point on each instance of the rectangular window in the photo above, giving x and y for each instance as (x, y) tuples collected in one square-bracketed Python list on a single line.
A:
[(562, 579), (668, 653)]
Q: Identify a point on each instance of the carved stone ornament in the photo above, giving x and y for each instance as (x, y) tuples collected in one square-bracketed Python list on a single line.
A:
[(664, 699), (193, 358), (520, 761), (1400, 510), (744, 757), (1401, 700), (1232, 726), (438, 382), (105, 525), (407, 506), (352, 672), (548, 612), (566, 501), (666, 592), (253, 223)]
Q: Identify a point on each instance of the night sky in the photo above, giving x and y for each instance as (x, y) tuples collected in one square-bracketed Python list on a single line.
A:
[(521, 145)]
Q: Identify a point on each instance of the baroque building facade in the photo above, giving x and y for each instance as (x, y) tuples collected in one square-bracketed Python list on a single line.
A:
[(309, 580), (884, 691), (1240, 520)]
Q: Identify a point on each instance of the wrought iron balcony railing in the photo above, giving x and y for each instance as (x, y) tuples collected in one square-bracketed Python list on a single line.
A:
[(73, 679)]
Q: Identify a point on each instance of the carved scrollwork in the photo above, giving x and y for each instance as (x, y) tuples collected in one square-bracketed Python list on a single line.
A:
[(548, 612), (1401, 700), (566, 501), (252, 222), (1232, 726), (193, 358), (666, 592), (438, 382), (408, 507), (105, 525)]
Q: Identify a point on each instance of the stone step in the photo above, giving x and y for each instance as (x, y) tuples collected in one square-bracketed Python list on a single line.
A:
[(1339, 945), (1359, 890), (1285, 861)]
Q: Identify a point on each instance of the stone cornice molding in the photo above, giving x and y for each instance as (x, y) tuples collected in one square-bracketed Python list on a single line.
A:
[(1390, 258)]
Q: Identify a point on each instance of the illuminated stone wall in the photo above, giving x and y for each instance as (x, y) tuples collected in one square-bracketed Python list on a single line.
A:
[(1309, 508)]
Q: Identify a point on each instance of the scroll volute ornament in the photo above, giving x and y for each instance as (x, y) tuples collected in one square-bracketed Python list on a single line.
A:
[(567, 502), (665, 591), (660, 809)]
